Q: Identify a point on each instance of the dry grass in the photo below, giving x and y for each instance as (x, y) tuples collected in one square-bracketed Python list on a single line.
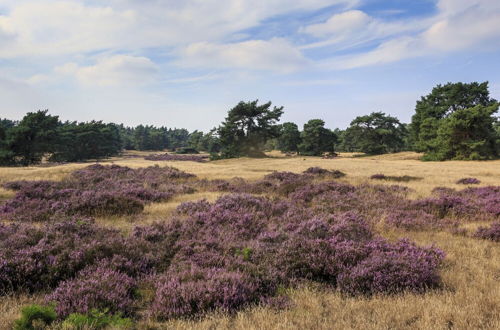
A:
[(471, 295)]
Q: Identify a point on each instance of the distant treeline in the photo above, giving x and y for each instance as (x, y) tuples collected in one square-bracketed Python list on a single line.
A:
[(454, 121)]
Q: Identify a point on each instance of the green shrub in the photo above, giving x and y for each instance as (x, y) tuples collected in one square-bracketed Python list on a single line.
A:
[(95, 320), (35, 317)]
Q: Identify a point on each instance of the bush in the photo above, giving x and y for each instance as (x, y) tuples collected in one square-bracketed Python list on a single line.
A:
[(95, 288), (96, 320), (201, 290), (35, 317), (492, 233), (468, 181)]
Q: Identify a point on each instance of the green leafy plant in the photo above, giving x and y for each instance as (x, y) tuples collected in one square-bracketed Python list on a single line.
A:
[(96, 320), (35, 317)]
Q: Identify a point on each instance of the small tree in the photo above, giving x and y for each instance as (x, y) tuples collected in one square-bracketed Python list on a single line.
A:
[(316, 139), (247, 128), (289, 138), (376, 133)]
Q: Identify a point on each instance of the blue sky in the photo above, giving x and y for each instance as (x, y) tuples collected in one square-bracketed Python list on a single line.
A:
[(185, 63)]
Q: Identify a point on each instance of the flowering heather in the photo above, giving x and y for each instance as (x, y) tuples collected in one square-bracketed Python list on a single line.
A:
[(412, 220), (335, 174), (403, 178), (468, 181), (197, 291), (492, 233), (94, 288), (94, 191), (175, 157)]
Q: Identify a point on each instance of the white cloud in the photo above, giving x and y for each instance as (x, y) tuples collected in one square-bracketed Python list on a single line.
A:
[(273, 55), (48, 27), (349, 21), (460, 25), (112, 71)]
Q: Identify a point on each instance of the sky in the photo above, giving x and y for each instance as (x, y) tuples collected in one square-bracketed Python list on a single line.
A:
[(186, 63)]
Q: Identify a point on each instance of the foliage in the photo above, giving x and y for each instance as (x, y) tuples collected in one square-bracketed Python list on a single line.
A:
[(94, 191), (316, 139), (466, 134), (468, 181), (289, 138), (82, 141), (35, 317), (247, 127), (94, 288), (96, 320), (238, 251), (376, 133), (175, 157), (33, 137), (492, 233), (455, 121)]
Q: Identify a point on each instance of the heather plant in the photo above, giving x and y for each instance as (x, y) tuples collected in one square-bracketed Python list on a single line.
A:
[(95, 191), (402, 178), (202, 290), (334, 174), (412, 220), (176, 157), (391, 268), (490, 233), (468, 181), (95, 288)]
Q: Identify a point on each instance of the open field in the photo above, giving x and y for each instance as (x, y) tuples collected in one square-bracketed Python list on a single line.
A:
[(468, 299)]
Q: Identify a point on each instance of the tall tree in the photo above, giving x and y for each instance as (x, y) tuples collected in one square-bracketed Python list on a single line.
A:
[(443, 101), (467, 134), (376, 133), (289, 138), (247, 128), (33, 137), (316, 139)]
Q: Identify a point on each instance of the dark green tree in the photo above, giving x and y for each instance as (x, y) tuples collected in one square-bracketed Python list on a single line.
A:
[(82, 141), (316, 139), (289, 138), (247, 128), (33, 137), (443, 101), (376, 133), (466, 134)]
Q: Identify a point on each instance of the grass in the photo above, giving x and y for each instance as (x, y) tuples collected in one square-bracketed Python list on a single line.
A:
[(471, 295)]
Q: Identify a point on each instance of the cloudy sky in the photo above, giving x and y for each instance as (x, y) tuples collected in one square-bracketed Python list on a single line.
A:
[(184, 63)]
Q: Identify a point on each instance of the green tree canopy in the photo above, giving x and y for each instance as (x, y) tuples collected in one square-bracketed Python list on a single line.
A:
[(33, 137), (467, 134), (443, 101), (289, 138), (247, 127), (376, 133), (316, 139)]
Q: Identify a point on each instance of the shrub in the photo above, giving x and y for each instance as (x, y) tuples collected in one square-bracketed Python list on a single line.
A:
[(202, 290), (96, 320), (393, 268), (335, 174), (35, 317), (95, 288), (468, 181), (492, 233), (178, 157)]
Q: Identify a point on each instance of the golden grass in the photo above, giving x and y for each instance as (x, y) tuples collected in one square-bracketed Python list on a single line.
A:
[(471, 275)]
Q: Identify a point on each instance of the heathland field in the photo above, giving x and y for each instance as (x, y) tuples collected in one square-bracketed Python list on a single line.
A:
[(267, 249)]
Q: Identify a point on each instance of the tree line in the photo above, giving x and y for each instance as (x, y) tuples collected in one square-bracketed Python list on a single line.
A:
[(454, 121)]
